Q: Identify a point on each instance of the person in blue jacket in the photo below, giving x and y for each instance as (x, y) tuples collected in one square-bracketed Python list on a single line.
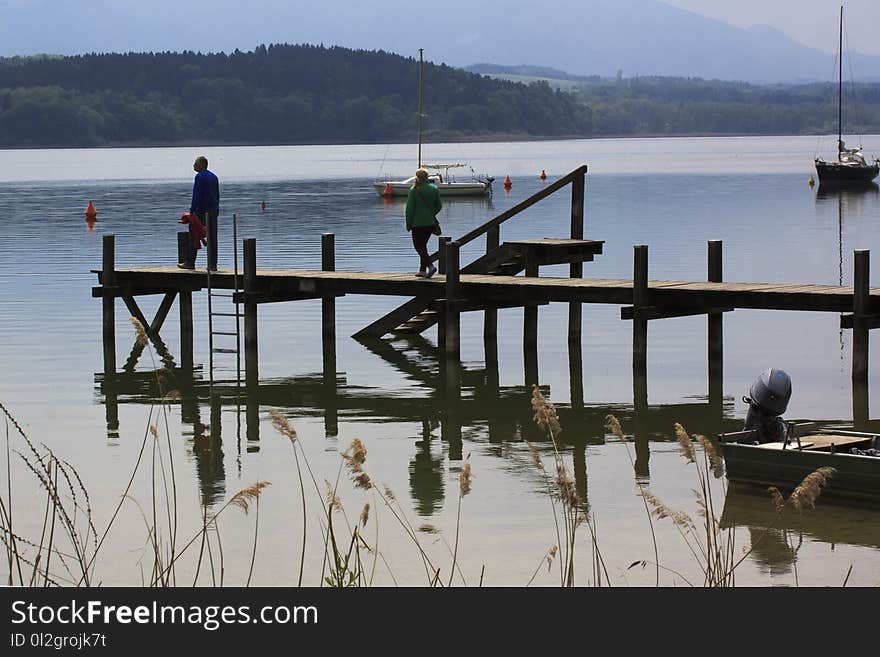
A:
[(206, 204)]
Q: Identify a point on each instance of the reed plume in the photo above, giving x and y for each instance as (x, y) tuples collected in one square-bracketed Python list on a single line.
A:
[(613, 425), (282, 425), (365, 514), (710, 451), (808, 491), (141, 333), (243, 498), (545, 413), (685, 443), (465, 477)]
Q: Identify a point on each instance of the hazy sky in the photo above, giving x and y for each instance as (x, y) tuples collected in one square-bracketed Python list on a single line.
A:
[(812, 22)]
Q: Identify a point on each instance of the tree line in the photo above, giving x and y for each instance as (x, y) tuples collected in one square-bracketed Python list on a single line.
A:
[(290, 94)]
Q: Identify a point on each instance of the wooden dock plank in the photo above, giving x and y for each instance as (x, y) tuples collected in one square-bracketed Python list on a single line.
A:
[(673, 293)]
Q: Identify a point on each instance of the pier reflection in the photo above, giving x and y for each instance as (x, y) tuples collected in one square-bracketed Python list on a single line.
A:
[(484, 412), (775, 538)]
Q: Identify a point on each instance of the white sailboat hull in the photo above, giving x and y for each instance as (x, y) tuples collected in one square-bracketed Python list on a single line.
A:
[(401, 188)]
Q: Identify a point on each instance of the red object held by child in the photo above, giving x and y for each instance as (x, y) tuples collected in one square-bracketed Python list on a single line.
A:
[(197, 232)]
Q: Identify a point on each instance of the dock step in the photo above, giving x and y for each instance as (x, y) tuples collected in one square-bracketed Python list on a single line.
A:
[(221, 294), (223, 333), (218, 350), (227, 314)]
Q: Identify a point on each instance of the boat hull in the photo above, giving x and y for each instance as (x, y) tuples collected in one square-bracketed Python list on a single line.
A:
[(855, 477), (475, 188), (836, 173)]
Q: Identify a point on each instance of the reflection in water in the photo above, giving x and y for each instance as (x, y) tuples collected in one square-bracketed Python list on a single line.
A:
[(499, 414), (777, 537), (426, 475), (850, 201)]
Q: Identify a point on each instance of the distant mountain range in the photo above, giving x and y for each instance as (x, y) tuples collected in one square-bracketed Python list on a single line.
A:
[(582, 37)]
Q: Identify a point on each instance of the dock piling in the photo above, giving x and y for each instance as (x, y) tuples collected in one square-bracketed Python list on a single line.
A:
[(640, 326), (530, 334), (108, 281), (251, 365), (861, 325), (452, 321), (328, 311), (715, 330)]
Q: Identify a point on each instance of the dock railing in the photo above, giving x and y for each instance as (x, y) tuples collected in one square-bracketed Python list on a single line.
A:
[(492, 227)]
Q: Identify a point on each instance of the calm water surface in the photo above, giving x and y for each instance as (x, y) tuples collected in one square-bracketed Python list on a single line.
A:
[(671, 194)]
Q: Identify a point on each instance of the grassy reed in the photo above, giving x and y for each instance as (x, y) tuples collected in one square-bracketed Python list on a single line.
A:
[(65, 550)]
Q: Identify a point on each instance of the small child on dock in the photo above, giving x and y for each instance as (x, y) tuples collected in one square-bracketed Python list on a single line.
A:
[(197, 237)]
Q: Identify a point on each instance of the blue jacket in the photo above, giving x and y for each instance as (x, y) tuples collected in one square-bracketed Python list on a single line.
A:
[(206, 193)]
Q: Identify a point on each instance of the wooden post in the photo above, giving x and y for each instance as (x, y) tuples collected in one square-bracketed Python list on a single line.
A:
[(452, 322), (715, 331), (576, 373), (530, 335), (328, 310), (640, 327), (576, 269), (108, 282), (186, 310), (251, 364), (441, 253), (861, 308), (490, 322)]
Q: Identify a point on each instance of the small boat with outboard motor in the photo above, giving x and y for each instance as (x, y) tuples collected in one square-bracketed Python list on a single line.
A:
[(771, 451)]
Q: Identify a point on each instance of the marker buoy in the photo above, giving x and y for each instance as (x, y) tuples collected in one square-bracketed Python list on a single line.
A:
[(543, 175), (812, 182), (387, 191), (91, 212), (263, 206), (508, 183)]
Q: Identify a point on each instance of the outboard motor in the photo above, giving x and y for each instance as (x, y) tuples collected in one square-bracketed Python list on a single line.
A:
[(769, 397)]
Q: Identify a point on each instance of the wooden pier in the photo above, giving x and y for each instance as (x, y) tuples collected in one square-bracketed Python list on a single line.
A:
[(489, 283)]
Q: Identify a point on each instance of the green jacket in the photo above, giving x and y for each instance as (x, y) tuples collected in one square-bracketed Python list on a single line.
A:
[(421, 206)]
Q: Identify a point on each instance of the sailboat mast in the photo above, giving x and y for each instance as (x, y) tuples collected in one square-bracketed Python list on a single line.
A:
[(420, 104), (840, 87)]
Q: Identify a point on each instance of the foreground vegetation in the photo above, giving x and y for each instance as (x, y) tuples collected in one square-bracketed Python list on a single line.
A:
[(294, 94), (66, 549)]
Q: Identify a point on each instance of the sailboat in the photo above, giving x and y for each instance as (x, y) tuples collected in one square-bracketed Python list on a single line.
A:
[(850, 167), (477, 185)]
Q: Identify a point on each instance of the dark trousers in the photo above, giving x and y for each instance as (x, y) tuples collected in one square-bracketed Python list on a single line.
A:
[(192, 253), (209, 218), (420, 237)]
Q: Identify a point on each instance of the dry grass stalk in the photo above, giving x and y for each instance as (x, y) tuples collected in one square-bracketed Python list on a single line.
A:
[(333, 501), (545, 413), (365, 514), (551, 553), (141, 332), (362, 480), (660, 510), (684, 441), (613, 425), (808, 491), (778, 499), (536, 456), (282, 425), (155, 431), (567, 490), (710, 451), (355, 456), (465, 477), (243, 498)]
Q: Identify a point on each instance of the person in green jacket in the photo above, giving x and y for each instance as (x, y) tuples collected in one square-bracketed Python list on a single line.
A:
[(422, 204)]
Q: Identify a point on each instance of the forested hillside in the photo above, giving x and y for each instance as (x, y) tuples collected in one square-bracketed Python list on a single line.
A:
[(289, 94)]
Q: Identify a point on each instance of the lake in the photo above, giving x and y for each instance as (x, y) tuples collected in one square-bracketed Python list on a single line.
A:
[(671, 194)]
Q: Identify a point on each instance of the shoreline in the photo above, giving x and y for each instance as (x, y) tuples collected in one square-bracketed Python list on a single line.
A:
[(494, 138)]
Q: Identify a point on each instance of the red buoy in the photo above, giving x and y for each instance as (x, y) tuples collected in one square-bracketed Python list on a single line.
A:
[(91, 212), (508, 183), (543, 175), (387, 191)]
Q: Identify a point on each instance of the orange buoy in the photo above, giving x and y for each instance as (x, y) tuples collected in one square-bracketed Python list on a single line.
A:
[(508, 183), (91, 212), (263, 206), (543, 175), (387, 191)]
